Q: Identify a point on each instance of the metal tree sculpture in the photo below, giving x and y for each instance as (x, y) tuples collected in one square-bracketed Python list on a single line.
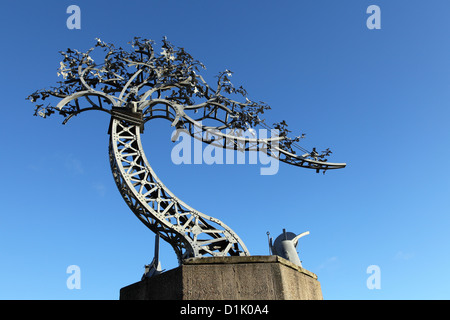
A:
[(140, 85)]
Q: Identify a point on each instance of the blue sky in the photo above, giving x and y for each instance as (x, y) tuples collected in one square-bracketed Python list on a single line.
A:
[(378, 98)]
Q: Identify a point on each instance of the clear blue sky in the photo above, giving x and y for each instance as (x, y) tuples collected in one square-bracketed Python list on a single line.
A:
[(380, 99)]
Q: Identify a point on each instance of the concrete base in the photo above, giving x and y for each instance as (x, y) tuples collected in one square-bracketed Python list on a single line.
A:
[(229, 278)]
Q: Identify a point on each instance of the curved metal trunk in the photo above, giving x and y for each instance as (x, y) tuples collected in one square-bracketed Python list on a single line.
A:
[(189, 232)]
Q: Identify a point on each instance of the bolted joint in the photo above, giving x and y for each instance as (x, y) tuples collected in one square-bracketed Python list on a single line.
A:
[(130, 114)]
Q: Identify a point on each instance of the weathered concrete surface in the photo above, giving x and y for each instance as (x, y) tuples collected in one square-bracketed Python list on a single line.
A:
[(229, 278)]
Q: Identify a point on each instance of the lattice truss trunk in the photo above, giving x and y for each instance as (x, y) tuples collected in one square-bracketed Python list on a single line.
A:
[(189, 232)]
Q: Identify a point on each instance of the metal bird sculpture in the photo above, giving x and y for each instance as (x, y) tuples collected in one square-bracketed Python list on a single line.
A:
[(285, 246)]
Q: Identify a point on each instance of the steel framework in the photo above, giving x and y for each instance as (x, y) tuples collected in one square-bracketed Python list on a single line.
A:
[(138, 86)]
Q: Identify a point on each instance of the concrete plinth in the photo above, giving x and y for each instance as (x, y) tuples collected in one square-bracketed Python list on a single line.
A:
[(229, 278)]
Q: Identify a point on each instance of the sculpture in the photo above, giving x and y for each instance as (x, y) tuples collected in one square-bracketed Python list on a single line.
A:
[(285, 246), (139, 85)]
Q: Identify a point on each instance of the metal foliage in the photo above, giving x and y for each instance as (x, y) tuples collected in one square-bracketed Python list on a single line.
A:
[(171, 76)]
